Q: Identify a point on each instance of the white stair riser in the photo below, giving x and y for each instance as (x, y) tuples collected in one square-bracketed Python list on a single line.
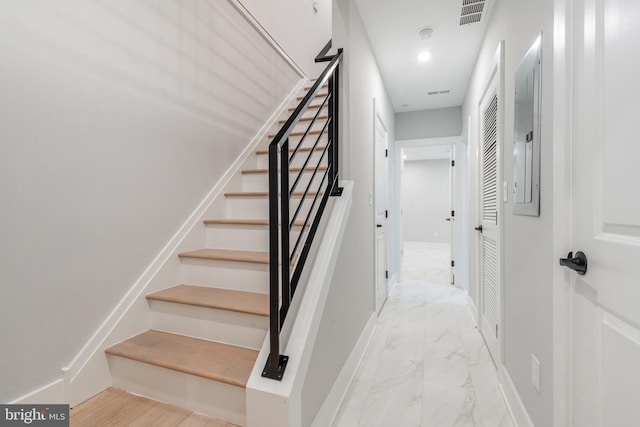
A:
[(229, 327), (201, 395), (258, 207), (241, 237), (260, 182), (240, 276), (262, 160)]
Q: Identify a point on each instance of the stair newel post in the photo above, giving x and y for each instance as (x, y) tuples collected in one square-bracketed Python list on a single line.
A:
[(276, 363), (334, 108), (285, 229)]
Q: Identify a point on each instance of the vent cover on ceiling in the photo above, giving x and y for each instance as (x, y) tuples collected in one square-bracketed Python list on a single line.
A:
[(471, 11), (438, 92)]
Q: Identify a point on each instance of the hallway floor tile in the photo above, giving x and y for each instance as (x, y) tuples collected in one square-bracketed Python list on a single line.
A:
[(427, 364)]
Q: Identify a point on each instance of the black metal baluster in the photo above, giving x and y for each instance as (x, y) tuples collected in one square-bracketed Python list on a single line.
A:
[(285, 228)]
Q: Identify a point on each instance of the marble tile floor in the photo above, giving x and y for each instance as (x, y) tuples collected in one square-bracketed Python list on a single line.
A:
[(427, 364)]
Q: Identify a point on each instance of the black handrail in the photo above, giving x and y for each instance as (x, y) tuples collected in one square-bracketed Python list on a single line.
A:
[(286, 266)]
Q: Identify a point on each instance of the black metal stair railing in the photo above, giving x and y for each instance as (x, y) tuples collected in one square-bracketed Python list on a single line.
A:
[(288, 203)]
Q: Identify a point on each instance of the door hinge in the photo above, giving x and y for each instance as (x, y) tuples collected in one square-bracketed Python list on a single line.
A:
[(386, 153), (496, 331), (453, 163), (386, 214), (453, 263), (386, 274), (453, 214), (529, 136)]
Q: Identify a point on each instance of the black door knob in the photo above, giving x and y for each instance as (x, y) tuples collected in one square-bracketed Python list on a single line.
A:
[(378, 225), (478, 228), (577, 263)]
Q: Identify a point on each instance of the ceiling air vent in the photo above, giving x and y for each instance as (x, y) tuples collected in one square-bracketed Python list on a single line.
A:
[(471, 11), (438, 92)]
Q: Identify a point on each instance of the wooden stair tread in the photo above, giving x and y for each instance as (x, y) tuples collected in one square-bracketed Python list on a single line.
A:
[(223, 299), (297, 169), (307, 119), (291, 150), (258, 257), (263, 193), (235, 221), (301, 133), (207, 359), (310, 106), (324, 86), (319, 95)]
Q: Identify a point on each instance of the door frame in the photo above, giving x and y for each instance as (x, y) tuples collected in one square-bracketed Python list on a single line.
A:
[(377, 118), (496, 70), (461, 214), (562, 226)]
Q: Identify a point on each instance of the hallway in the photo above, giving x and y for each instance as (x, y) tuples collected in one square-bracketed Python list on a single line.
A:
[(427, 364)]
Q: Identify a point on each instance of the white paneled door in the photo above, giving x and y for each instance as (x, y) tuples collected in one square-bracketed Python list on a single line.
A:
[(381, 209), (489, 140), (605, 302), (452, 212)]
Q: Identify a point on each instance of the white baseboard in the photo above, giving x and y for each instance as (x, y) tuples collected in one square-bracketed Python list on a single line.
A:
[(52, 393), (515, 405), (511, 397), (88, 373), (473, 309), (395, 279), (329, 409)]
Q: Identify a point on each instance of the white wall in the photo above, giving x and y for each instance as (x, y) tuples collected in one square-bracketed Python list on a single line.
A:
[(350, 303), (527, 243), (429, 123), (425, 201), (117, 119), (300, 31)]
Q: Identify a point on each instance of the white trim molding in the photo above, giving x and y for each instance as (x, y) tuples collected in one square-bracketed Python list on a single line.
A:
[(562, 196), (52, 393), (331, 405), (512, 398)]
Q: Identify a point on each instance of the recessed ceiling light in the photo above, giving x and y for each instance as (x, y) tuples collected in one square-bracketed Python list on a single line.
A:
[(424, 56)]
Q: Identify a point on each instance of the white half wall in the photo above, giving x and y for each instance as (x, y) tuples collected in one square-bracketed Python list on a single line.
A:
[(118, 118), (425, 201)]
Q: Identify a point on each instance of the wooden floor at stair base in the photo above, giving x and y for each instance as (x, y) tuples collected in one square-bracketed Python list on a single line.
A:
[(114, 407)]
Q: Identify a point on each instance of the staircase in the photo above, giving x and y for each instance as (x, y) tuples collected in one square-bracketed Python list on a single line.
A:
[(205, 332)]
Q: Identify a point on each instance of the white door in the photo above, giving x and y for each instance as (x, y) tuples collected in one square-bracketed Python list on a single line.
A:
[(381, 153), (489, 215), (452, 212), (605, 302)]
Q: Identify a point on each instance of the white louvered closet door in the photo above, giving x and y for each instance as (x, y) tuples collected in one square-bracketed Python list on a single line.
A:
[(489, 259)]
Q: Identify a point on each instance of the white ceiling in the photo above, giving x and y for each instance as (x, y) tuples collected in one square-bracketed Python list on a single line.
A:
[(393, 30)]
